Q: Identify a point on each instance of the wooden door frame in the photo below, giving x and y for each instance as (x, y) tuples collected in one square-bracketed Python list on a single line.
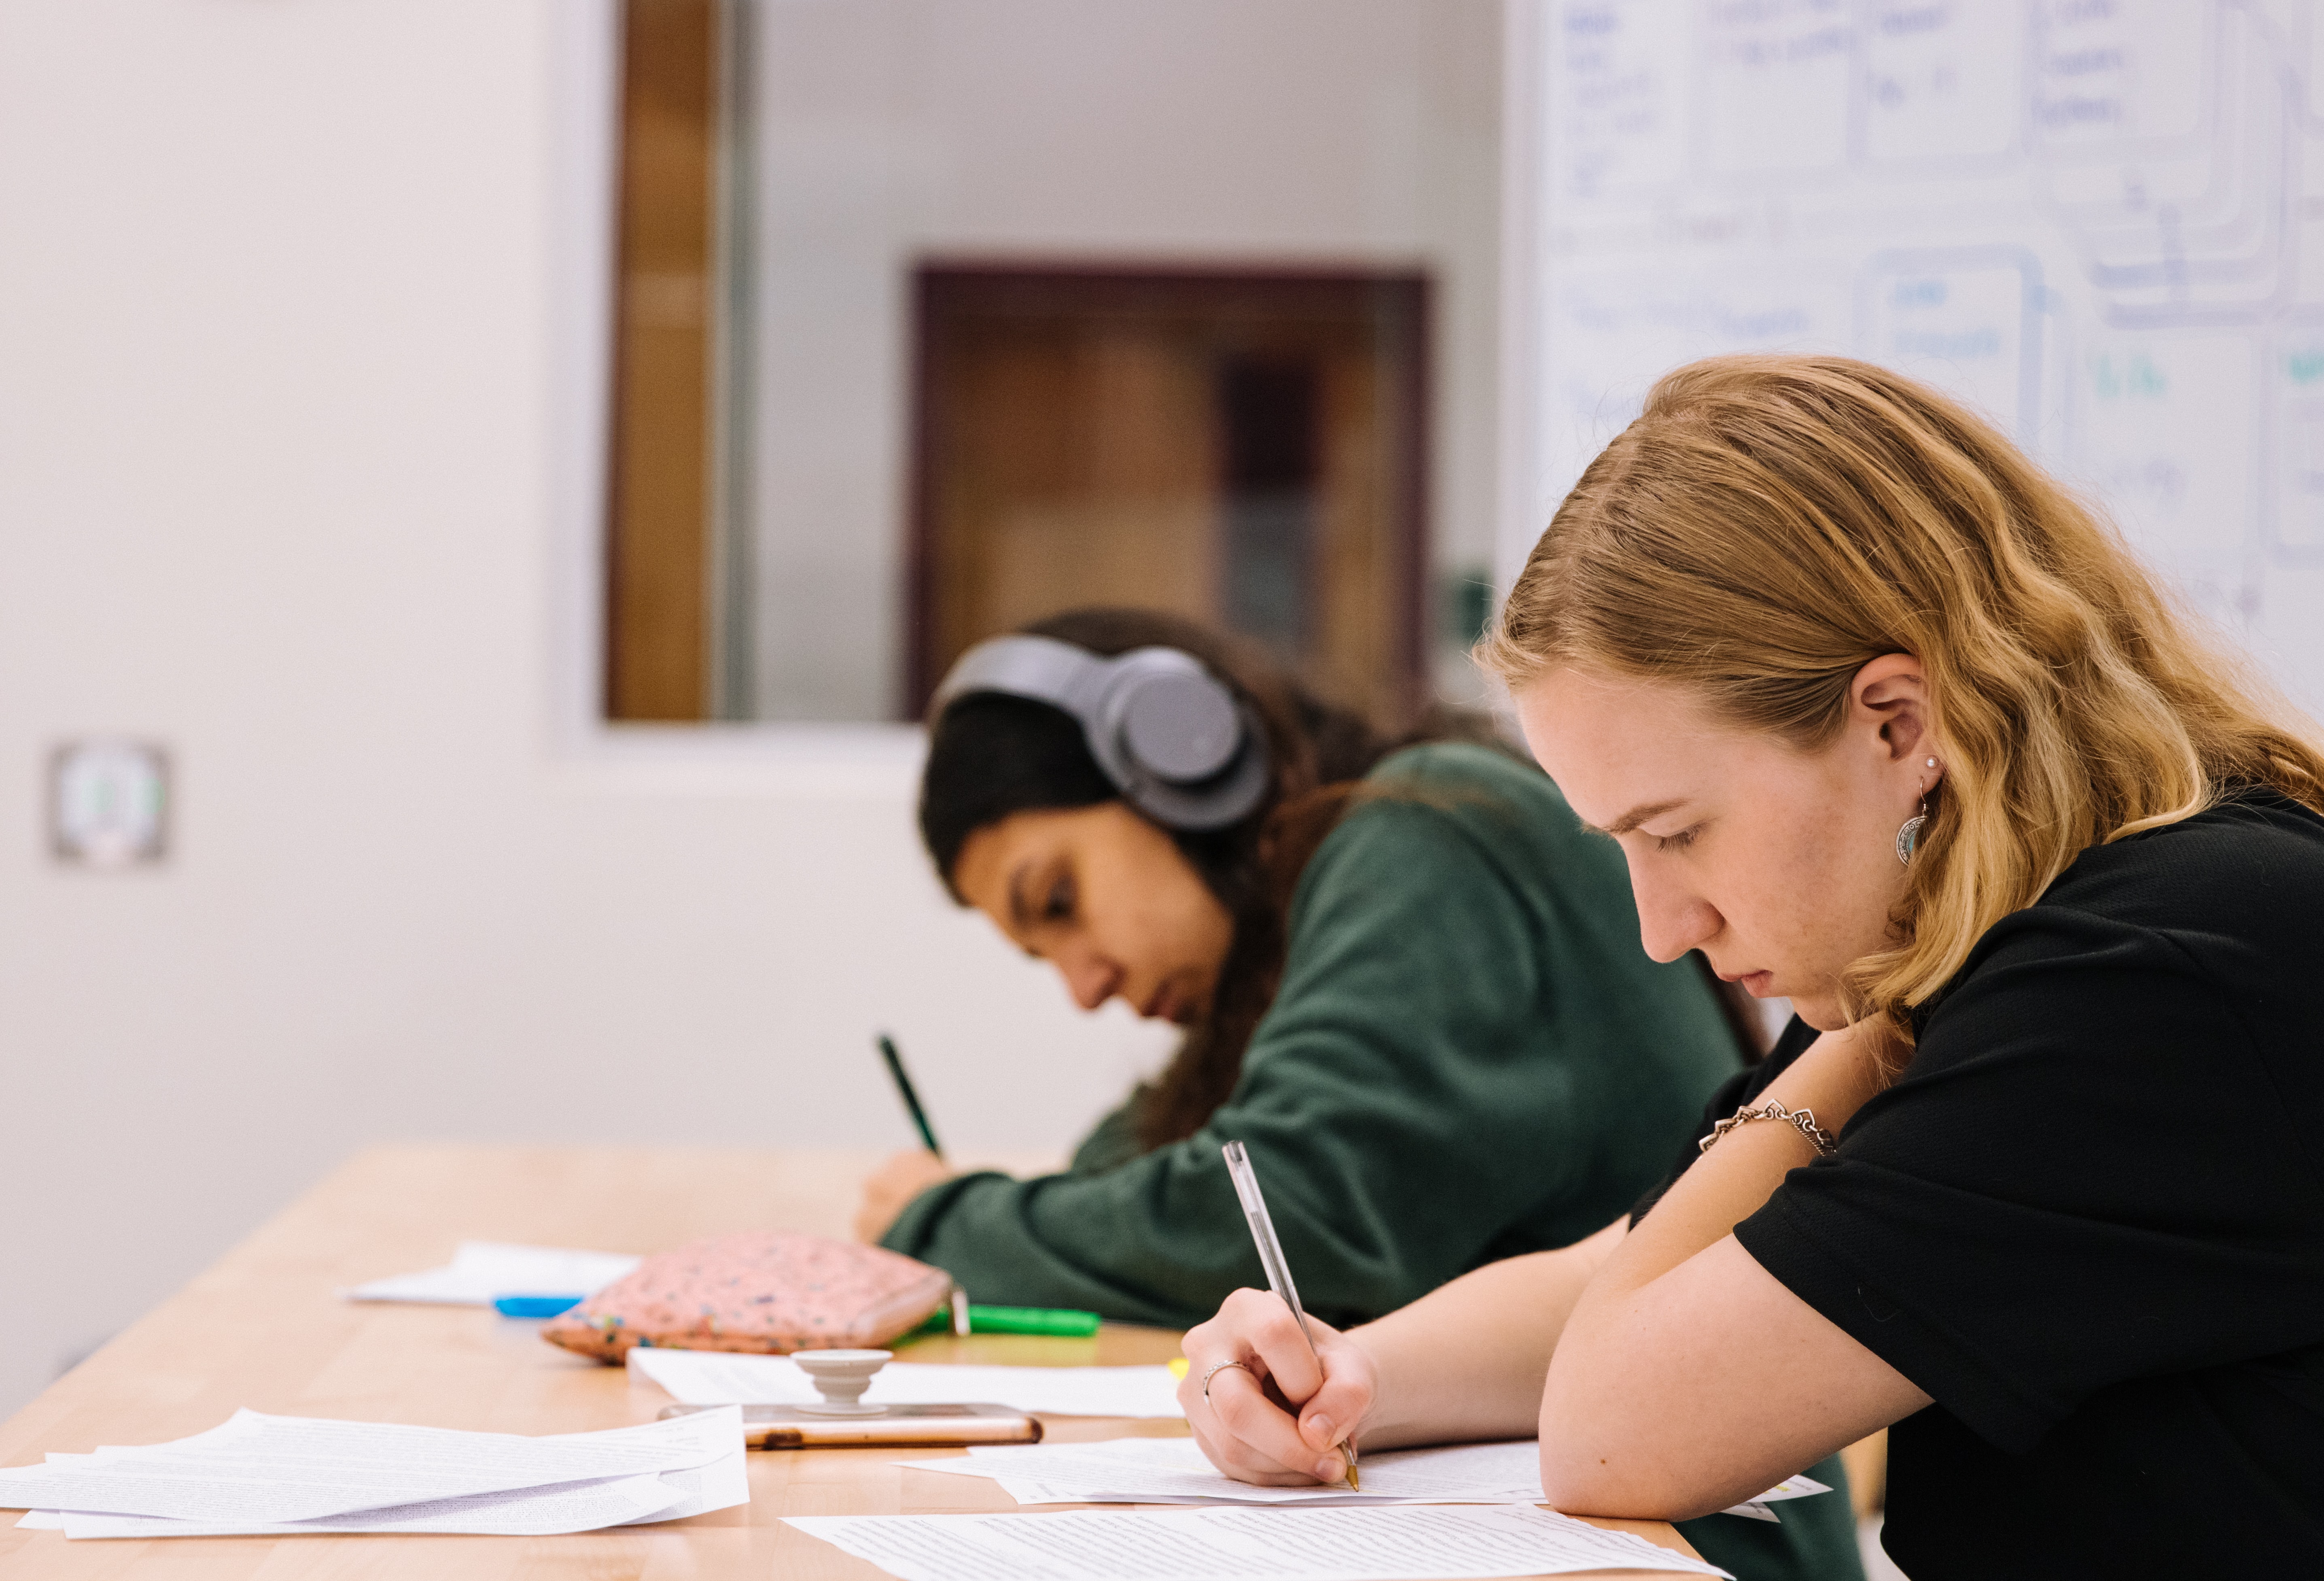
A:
[(656, 569)]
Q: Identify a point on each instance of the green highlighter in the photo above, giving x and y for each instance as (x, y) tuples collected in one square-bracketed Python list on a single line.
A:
[(1047, 1320)]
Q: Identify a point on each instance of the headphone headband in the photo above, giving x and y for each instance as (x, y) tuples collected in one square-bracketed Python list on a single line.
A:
[(1176, 743)]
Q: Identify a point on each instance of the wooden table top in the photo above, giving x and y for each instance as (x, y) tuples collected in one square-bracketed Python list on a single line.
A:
[(264, 1328)]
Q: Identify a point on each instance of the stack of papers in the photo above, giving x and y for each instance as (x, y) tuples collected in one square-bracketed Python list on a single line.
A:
[(723, 1378), (282, 1476), (482, 1271), (1173, 1471), (1407, 1544)]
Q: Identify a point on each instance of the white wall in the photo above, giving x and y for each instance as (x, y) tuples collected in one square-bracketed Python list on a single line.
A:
[(1317, 133), (298, 417)]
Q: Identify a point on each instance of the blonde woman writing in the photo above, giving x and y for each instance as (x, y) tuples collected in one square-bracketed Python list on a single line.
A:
[(1884, 720)]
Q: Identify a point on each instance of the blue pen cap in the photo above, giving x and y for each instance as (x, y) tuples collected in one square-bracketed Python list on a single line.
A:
[(535, 1305)]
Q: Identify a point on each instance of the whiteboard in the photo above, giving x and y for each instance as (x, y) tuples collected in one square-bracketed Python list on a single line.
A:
[(2100, 221)]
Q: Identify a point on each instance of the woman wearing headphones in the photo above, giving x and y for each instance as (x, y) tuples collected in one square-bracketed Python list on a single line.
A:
[(1884, 721), (1410, 983)]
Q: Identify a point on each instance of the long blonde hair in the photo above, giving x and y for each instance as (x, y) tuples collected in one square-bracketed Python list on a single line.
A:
[(1770, 525)]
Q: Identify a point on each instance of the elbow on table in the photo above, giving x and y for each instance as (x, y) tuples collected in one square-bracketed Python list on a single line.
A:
[(1596, 1487), (1583, 1474)]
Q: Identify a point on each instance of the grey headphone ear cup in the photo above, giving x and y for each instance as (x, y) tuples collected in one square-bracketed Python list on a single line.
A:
[(1182, 727), (1233, 794), (1170, 735), (1183, 750)]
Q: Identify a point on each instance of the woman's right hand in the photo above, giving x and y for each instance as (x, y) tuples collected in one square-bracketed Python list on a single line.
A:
[(1265, 1408)]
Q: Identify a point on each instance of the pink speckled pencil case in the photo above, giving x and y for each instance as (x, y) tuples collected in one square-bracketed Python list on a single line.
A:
[(762, 1290)]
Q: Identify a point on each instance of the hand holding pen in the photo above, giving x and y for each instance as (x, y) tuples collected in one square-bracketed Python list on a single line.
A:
[(1262, 1339)]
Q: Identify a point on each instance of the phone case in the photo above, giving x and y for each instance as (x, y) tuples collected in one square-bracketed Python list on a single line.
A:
[(787, 1427)]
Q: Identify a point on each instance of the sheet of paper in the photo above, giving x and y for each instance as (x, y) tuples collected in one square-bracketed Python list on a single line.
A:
[(1033, 1492), (1792, 1487), (547, 1512), (1173, 1470), (722, 1485), (670, 1495), (564, 1507), (722, 1378), (268, 1470), (1157, 1471), (1402, 1543), (482, 1270)]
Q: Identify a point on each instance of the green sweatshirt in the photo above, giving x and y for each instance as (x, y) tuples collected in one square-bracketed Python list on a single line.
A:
[(1469, 1058)]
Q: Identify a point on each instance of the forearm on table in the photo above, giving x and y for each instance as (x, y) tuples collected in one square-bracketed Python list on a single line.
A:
[(1082, 1250), (1657, 1401), (1727, 1185), (1467, 1361), (1733, 1179)]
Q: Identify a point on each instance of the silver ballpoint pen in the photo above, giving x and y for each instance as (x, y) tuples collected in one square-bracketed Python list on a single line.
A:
[(1278, 1272)]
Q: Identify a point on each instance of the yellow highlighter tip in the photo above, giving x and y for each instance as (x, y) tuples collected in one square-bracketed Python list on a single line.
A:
[(1178, 1367)]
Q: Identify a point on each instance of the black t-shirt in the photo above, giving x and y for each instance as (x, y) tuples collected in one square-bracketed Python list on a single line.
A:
[(2089, 1220)]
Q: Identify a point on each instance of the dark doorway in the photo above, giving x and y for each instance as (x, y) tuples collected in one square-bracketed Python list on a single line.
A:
[(1245, 449)]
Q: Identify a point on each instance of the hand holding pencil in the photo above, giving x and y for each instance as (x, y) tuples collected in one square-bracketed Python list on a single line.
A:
[(1274, 1396)]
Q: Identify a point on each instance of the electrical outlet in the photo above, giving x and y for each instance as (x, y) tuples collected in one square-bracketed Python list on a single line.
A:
[(109, 803)]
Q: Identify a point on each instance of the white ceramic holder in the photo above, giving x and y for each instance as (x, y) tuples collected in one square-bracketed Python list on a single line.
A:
[(841, 1376)]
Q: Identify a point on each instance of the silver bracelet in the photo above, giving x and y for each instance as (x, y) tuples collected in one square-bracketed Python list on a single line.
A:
[(1803, 1121)]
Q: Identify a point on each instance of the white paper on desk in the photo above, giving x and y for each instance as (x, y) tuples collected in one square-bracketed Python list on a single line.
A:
[(1791, 1487), (1174, 1471), (1035, 1493), (1402, 1543), (722, 1485), (547, 1511), (267, 1470), (724, 1378), (481, 1272)]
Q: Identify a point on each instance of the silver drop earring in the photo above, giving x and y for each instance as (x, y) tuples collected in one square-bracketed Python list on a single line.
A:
[(1909, 836)]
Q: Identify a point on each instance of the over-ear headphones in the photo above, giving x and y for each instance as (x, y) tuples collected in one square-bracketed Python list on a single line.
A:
[(1170, 735)]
